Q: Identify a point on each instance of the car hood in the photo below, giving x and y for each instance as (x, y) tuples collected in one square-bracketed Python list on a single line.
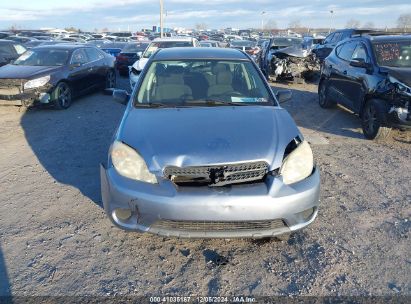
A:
[(294, 51), (204, 136), (140, 64), (401, 74), (11, 71)]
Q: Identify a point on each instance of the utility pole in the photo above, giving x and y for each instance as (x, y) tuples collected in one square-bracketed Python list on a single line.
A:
[(332, 13), (161, 18), (262, 21)]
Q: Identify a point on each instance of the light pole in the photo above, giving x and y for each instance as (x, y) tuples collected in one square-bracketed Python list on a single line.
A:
[(331, 12), (262, 20), (161, 18)]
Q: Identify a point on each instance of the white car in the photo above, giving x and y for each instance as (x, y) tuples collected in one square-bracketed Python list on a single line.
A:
[(158, 43)]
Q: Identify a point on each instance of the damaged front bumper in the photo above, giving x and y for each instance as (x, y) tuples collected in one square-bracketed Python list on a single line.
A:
[(400, 116), (14, 95), (398, 96), (263, 209)]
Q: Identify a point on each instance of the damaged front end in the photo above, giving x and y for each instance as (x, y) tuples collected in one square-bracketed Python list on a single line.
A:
[(398, 95), (12, 92), (294, 63)]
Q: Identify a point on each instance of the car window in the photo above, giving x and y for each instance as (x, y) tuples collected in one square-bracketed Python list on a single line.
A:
[(336, 38), (6, 50), (154, 46), (360, 53), (94, 54), (345, 35), (329, 38), (346, 50), (79, 57), (135, 47), (43, 57), (223, 81), (19, 48)]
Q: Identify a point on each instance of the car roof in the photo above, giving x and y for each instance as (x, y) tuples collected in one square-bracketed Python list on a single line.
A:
[(64, 46), (179, 53), (389, 37), (172, 39)]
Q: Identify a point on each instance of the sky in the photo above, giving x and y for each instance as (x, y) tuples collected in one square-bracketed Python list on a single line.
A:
[(216, 14)]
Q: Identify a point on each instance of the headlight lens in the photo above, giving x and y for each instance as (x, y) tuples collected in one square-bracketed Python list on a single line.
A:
[(298, 165), (38, 82), (130, 164)]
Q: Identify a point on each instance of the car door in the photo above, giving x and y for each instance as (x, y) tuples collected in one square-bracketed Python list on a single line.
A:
[(357, 77), (97, 67), (79, 76), (340, 81)]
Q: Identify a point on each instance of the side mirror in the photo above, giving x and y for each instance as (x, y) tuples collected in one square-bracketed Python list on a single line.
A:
[(283, 95), (139, 54), (121, 96), (359, 63)]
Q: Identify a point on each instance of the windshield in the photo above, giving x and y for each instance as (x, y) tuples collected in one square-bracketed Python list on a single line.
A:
[(43, 57), (393, 54), (135, 47), (154, 46), (285, 42), (239, 43), (201, 83)]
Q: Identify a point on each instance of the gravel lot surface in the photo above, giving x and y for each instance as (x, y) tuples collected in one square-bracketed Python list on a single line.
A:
[(56, 240)]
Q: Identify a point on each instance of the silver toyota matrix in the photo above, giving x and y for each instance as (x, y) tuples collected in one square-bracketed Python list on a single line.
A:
[(204, 150)]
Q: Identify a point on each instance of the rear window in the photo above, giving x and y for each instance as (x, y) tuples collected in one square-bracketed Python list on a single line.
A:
[(154, 46), (135, 47)]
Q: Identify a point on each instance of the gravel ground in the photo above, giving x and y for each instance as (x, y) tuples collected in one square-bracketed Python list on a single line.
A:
[(56, 240)]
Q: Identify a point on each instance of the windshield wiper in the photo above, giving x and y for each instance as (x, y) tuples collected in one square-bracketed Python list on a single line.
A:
[(214, 102), (154, 105)]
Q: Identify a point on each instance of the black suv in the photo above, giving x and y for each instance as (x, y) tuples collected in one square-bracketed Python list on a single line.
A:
[(324, 49), (370, 74)]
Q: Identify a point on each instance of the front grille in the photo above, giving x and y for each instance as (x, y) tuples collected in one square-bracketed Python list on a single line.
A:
[(9, 87), (211, 226), (217, 175)]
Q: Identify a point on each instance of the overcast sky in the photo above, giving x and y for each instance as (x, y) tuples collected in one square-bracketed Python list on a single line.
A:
[(136, 14)]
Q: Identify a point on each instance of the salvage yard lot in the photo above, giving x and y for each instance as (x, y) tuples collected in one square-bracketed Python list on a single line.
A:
[(56, 240)]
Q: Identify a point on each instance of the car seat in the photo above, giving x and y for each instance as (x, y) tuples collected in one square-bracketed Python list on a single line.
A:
[(170, 86), (223, 84)]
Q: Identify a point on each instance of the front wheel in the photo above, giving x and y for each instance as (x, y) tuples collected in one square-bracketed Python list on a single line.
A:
[(323, 98), (62, 96), (110, 79), (374, 120)]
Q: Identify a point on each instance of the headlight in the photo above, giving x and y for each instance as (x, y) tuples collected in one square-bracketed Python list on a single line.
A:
[(130, 164), (38, 82), (298, 165)]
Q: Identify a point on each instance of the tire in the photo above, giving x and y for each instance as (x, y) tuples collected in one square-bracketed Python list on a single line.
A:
[(323, 99), (62, 96), (110, 80), (374, 120)]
